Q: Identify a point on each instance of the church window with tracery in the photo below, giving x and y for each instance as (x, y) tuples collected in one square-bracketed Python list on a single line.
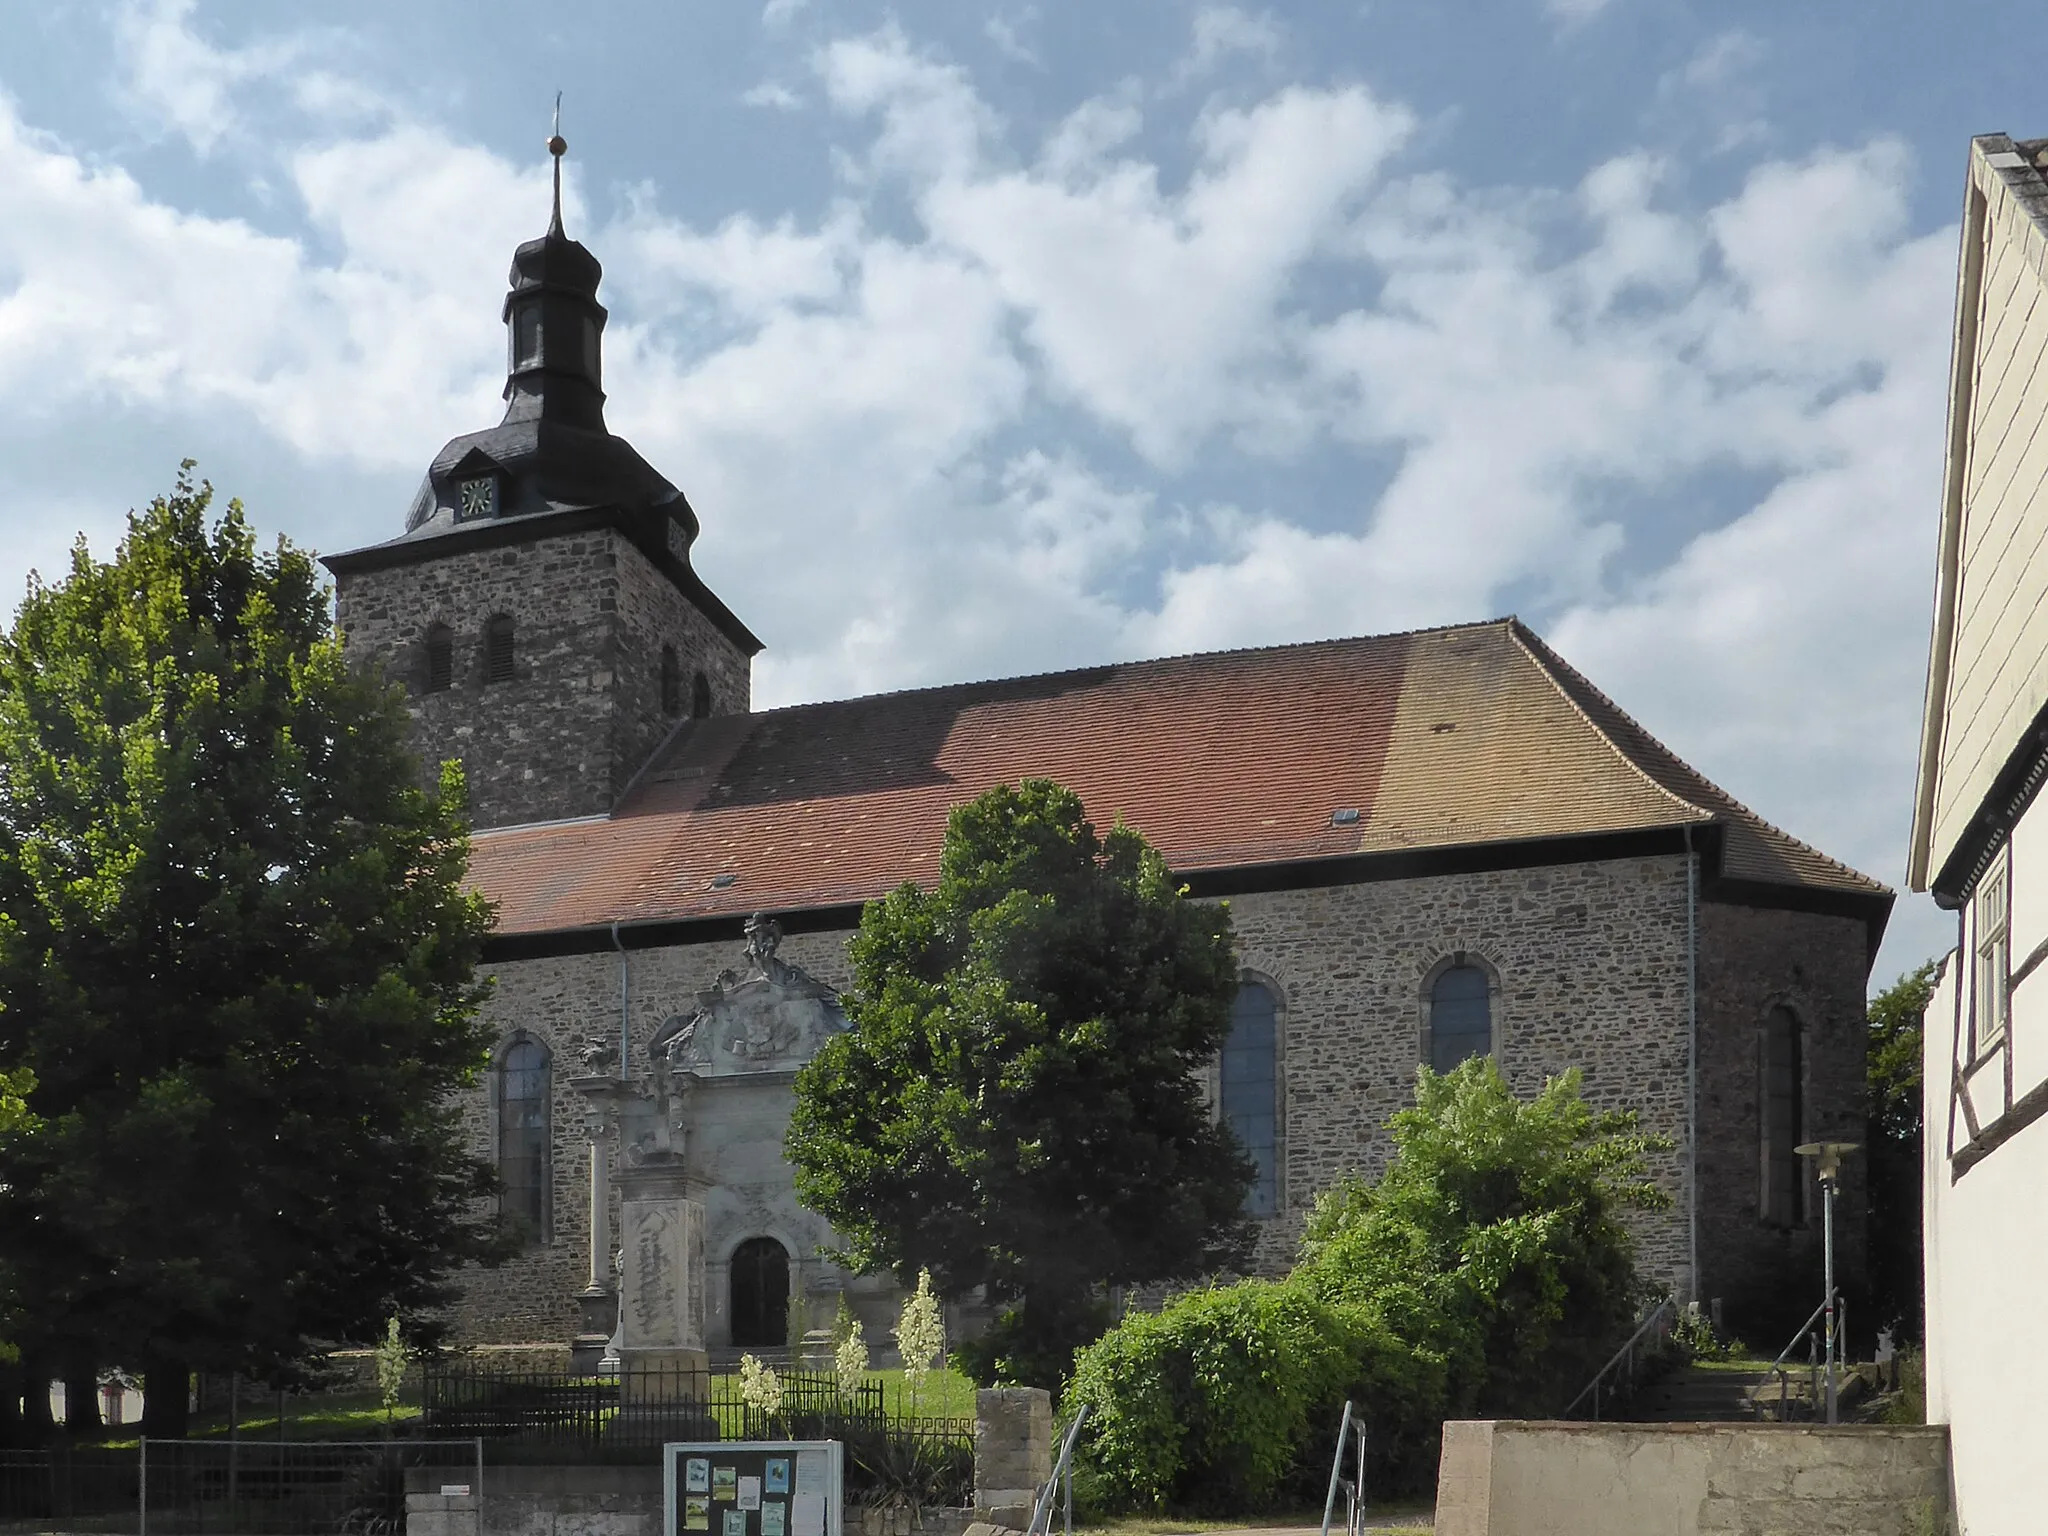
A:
[(523, 1093), (1250, 1090)]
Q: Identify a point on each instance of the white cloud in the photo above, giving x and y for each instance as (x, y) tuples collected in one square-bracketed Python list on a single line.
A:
[(929, 422), (1575, 12), (772, 94), (174, 78), (1221, 32)]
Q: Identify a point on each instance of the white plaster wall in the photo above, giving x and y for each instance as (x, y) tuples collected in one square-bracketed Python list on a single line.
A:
[(1987, 1275)]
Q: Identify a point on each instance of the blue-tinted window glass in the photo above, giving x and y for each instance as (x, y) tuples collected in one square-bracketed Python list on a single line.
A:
[(1251, 1098), (523, 1137), (1460, 1017)]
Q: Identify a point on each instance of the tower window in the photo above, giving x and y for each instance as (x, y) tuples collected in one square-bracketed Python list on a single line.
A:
[(526, 336), (1251, 1091), (700, 696), (440, 658), (671, 683), (1460, 1016), (498, 649), (523, 1091)]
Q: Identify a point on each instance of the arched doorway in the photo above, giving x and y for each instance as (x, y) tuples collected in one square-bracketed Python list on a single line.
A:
[(760, 1294)]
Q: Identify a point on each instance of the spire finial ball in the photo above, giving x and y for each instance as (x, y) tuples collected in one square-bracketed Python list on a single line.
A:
[(558, 146)]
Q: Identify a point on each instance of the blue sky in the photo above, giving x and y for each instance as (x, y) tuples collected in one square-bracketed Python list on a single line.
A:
[(998, 339)]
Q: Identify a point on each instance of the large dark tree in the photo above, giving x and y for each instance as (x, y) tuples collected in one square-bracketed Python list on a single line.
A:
[(1018, 1103), (1895, 1151), (236, 956)]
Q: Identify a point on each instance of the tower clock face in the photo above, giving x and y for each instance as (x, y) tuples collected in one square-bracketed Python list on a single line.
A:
[(479, 498)]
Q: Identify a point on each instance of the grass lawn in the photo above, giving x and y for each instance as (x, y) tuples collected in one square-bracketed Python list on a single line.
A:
[(947, 1394)]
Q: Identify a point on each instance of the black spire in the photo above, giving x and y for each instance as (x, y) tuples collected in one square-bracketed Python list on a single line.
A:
[(554, 324)]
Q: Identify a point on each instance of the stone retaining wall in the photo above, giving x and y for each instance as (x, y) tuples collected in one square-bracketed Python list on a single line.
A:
[(1500, 1478)]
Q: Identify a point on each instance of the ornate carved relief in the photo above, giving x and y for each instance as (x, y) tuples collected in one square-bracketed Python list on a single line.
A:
[(771, 1017)]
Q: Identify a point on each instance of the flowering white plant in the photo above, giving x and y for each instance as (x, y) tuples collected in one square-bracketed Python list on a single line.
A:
[(392, 1356), (760, 1387), (920, 1333), (850, 1358)]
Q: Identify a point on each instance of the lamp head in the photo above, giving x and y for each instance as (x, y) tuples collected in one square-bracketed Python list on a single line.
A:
[(1828, 1155)]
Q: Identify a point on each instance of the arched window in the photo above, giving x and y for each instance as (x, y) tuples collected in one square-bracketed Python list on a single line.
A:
[(1780, 1116), (498, 648), (523, 1091), (671, 683), (700, 696), (1460, 1015), (440, 658), (1251, 1090), (760, 1294)]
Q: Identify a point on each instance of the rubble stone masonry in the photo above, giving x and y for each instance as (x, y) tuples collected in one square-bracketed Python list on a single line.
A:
[(1590, 964), (582, 712)]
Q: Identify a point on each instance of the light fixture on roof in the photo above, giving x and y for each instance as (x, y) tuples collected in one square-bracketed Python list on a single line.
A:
[(1344, 816)]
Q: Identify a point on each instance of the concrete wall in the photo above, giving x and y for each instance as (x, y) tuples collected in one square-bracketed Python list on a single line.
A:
[(1590, 961), (1998, 679), (1987, 1222), (1539, 1479), (582, 712)]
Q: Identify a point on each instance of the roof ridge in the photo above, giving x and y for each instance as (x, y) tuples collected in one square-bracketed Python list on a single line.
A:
[(1678, 767), (1329, 643)]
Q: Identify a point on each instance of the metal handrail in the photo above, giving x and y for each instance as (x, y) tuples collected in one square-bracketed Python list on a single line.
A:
[(1062, 1477), (1807, 1336), (1620, 1355), (1354, 1487)]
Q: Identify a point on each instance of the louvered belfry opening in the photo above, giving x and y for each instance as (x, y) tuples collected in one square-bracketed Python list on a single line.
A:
[(498, 649), (440, 658)]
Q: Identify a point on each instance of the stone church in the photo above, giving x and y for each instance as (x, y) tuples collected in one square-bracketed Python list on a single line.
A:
[(1434, 844)]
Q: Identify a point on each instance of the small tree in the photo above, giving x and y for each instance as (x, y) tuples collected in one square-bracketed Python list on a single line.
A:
[(1895, 1214), (1017, 1104)]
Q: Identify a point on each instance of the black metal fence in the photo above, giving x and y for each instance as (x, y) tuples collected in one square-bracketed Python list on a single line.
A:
[(290, 1487), (528, 1416), (88, 1488)]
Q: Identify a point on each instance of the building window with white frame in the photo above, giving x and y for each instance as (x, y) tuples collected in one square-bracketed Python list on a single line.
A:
[(1992, 949)]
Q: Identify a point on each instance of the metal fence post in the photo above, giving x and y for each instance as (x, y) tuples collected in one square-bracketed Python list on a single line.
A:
[(142, 1487)]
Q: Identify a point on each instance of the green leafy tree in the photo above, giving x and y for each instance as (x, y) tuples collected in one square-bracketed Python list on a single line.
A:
[(1895, 1150), (237, 958), (1489, 1270), (1497, 1236), (1017, 1102)]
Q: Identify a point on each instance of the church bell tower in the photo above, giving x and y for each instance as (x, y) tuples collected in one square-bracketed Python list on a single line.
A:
[(540, 607)]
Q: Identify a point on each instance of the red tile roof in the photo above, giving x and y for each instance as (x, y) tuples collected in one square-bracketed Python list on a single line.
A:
[(1441, 738)]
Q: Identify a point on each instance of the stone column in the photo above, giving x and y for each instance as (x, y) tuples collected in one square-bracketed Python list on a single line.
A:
[(1012, 1452), (597, 1302), (661, 1295)]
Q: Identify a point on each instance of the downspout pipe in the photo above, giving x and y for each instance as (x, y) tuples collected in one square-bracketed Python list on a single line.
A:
[(625, 1005), (1692, 1064)]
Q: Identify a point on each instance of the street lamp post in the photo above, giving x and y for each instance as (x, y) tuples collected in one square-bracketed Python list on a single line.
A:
[(1827, 1156)]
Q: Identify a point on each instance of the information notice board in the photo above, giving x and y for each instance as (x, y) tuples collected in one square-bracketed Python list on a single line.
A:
[(752, 1488)]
